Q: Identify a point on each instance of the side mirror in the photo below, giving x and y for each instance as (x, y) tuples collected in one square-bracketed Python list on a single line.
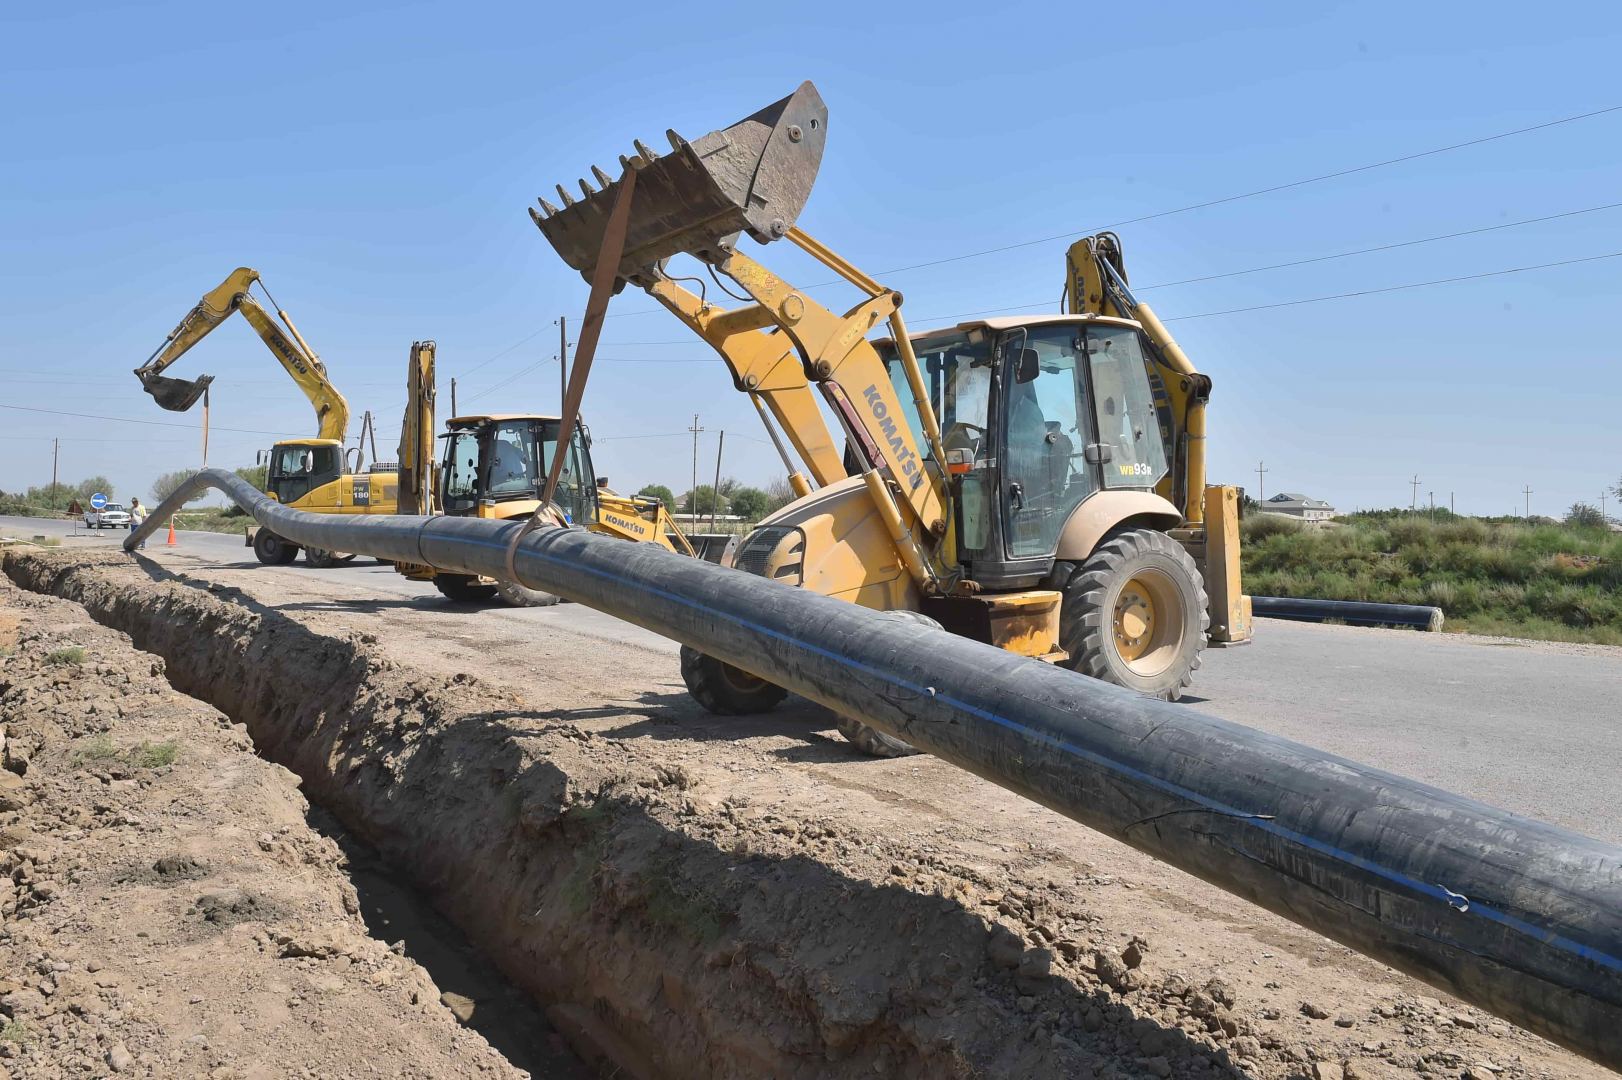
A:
[(1098, 453), (602, 481), (1028, 367)]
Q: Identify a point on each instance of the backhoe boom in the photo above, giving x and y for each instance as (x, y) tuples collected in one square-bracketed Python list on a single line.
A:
[(288, 346)]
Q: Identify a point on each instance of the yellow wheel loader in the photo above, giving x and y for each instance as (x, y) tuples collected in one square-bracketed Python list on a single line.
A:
[(316, 474), (495, 466), (1037, 482)]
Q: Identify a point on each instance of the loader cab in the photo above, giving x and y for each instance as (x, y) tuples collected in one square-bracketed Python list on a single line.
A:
[(496, 466), (298, 467), (1040, 416)]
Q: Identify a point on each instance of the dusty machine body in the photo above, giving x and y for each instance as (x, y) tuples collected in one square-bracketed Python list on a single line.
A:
[(1037, 482), (494, 466), (319, 474)]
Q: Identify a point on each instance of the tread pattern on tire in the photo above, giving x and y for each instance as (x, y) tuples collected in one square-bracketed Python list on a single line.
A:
[(279, 551), (707, 683), (1085, 624), (463, 589)]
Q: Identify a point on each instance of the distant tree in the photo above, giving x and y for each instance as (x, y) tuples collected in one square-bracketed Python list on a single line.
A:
[(167, 484), (779, 494), (1583, 514), (61, 496), (729, 484), (751, 504), (702, 500), (660, 492), (257, 475)]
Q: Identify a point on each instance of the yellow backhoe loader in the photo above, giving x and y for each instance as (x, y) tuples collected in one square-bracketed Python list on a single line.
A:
[(316, 474), (1035, 482), (494, 466)]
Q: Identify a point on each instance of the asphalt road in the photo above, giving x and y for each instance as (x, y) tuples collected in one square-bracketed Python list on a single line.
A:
[(1533, 727)]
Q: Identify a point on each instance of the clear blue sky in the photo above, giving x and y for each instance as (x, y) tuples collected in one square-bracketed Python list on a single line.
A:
[(374, 162)]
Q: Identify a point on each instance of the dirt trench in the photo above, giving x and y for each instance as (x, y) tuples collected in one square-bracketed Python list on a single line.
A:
[(172, 905), (677, 921)]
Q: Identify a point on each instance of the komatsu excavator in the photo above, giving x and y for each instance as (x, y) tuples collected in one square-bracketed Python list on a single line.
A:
[(314, 474), (1034, 482), (494, 466)]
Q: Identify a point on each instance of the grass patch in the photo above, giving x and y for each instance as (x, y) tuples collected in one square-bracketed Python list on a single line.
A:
[(15, 1031), (150, 755), (94, 749), (1552, 582), (68, 654)]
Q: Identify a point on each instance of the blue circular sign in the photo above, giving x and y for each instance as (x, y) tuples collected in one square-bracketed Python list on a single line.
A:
[(97, 501)]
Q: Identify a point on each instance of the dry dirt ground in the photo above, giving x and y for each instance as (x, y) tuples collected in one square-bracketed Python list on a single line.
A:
[(692, 896), (167, 909)]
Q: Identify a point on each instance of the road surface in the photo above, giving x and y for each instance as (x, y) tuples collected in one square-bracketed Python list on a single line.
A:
[(1532, 727)]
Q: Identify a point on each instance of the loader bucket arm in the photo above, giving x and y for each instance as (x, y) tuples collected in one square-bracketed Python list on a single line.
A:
[(753, 176)]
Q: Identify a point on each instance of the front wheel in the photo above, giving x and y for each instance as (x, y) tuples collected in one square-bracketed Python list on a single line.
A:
[(515, 595), (272, 550), (322, 559), (725, 690), (463, 588), (1134, 613)]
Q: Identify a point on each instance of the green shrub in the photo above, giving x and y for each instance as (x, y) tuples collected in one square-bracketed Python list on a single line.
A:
[(68, 654)]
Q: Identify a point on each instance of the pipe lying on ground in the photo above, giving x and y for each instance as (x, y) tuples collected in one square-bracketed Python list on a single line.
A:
[(1351, 612), (1519, 917)]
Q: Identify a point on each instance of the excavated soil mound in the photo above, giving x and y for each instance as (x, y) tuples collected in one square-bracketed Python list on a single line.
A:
[(166, 909)]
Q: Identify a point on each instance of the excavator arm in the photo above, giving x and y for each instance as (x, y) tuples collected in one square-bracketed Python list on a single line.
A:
[(288, 346)]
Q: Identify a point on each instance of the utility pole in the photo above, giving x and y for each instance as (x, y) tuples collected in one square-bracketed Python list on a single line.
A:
[(1527, 491), (563, 359), (56, 447), (1433, 507), (1452, 512), (205, 426), (1261, 486), (453, 397), (692, 492), (1413, 499), (1603, 520), (715, 492)]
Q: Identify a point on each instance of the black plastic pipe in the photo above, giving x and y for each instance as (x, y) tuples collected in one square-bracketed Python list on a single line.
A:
[(1350, 612), (1519, 917)]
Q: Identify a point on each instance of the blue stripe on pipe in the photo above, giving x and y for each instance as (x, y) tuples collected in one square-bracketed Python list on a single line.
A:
[(1434, 892)]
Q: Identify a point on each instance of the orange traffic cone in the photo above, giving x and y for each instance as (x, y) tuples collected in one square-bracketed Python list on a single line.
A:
[(172, 542)]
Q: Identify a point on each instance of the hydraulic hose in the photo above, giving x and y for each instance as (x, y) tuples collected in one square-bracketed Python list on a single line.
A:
[(1519, 917)]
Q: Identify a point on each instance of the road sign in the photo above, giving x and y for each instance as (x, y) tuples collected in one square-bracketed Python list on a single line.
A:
[(97, 501)]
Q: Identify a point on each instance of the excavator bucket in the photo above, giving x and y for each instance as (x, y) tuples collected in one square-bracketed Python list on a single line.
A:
[(176, 395), (751, 177)]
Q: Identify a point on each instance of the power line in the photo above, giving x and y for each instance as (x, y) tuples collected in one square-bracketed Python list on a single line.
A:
[(1397, 288), (1223, 200), (1380, 247), (148, 423)]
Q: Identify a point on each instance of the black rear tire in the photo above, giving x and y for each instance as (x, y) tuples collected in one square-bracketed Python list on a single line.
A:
[(725, 690), (1102, 622), (463, 588), (272, 550)]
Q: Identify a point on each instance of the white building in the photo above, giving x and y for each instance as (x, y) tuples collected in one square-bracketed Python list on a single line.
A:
[(1293, 504)]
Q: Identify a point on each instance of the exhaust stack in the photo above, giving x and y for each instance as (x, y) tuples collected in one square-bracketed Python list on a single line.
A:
[(753, 177)]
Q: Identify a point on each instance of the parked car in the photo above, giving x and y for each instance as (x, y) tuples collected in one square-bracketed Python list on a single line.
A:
[(111, 516)]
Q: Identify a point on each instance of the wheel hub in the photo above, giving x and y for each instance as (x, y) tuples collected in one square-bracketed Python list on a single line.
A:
[(1134, 620)]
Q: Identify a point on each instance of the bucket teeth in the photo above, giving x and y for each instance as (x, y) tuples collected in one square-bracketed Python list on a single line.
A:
[(533, 216), (751, 177)]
